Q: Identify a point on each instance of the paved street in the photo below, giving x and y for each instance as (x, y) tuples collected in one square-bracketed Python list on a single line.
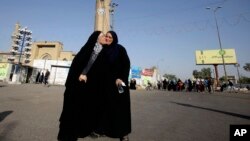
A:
[(30, 112)]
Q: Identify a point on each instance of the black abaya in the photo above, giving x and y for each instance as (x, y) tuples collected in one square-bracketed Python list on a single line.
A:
[(96, 106)]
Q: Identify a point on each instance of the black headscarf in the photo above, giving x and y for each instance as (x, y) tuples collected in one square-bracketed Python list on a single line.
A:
[(81, 59), (112, 49), (115, 38), (89, 45)]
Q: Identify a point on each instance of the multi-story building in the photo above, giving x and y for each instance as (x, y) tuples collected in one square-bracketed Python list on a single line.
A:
[(40, 50)]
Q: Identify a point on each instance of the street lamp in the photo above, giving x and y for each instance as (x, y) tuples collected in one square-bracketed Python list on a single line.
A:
[(112, 11), (22, 47), (237, 66), (222, 52)]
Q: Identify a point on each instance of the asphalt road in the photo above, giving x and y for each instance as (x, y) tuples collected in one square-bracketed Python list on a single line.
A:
[(30, 112)]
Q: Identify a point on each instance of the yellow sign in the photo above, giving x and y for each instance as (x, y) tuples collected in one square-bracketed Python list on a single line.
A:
[(208, 57)]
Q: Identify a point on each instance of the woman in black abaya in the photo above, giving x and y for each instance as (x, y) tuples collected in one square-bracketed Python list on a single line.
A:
[(82, 98), (92, 104), (117, 113)]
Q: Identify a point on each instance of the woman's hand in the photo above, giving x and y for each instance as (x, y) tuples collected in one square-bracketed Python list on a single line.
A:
[(83, 78), (118, 82)]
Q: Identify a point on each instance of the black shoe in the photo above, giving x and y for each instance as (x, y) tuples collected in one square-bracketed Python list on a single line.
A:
[(125, 138)]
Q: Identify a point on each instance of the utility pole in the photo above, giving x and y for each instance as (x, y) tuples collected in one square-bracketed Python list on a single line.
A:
[(222, 52), (102, 15), (112, 13)]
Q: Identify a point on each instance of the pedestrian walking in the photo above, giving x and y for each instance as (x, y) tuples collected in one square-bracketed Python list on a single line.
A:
[(132, 84), (38, 76), (41, 78), (46, 77), (231, 85)]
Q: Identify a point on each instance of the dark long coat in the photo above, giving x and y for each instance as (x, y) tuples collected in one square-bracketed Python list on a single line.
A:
[(96, 106)]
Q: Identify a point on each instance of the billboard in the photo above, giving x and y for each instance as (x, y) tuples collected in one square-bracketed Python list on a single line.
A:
[(135, 72), (148, 72), (4, 67), (211, 57)]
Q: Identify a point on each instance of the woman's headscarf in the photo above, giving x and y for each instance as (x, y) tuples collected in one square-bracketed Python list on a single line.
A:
[(81, 59), (113, 48), (115, 38), (90, 43)]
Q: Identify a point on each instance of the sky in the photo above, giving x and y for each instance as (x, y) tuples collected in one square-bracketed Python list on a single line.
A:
[(161, 33)]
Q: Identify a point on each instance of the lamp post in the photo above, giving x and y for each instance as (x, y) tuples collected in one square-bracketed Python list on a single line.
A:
[(112, 11), (237, 66), (21, 47), (222, 52)]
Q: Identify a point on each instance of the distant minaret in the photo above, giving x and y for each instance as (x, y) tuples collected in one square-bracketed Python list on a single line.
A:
[(102, 16)]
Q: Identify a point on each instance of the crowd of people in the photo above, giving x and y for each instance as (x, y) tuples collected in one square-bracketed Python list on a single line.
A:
[(42, 77), (198, 85)]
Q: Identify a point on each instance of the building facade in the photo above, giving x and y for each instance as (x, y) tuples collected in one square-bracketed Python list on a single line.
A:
[(48, 50)]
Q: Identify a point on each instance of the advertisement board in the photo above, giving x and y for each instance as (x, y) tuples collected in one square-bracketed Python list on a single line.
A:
[(147, 72), (210, 57), (3, 70), (135, 72)]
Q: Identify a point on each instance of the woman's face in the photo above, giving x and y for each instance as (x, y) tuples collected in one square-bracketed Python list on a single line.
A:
[(102, 39), (109, 39)]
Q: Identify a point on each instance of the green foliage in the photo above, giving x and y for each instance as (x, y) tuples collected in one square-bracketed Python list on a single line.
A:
[(196, 74), (222, 79), (170, 76), (154, 67), (204, 73), (247, 67), (244, 80)]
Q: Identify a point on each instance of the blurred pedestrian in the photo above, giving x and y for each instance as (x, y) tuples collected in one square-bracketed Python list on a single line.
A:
[(46, 77), (231, 85), (132, 84), (38, 76)]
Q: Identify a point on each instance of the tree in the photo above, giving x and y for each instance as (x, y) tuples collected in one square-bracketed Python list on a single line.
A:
[(196, 74), (222, 79), (244, 80), (247, 67), (170, 76), (154, 67), (204, 73)]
